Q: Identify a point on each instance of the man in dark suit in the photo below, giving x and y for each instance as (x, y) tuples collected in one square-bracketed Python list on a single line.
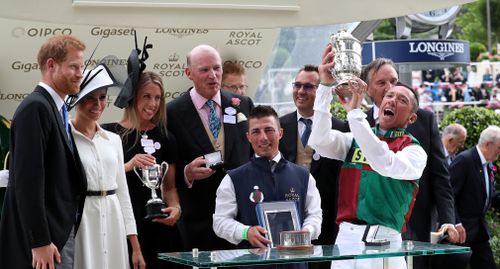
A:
[(204, 120), (435, 191), (473, 184), (46, 183), (294, 148)]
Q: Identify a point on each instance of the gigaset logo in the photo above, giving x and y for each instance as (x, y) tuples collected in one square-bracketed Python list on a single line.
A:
[(39, 32), (107, 32)]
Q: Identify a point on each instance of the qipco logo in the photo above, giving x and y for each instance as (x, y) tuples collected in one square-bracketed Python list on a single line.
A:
[(39, 32)]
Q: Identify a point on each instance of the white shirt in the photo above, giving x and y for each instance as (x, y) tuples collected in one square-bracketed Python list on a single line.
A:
[(224, 223), (407, 164), (55, 96)]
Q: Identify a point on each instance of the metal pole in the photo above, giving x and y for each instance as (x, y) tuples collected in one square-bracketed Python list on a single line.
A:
[(488, 22)]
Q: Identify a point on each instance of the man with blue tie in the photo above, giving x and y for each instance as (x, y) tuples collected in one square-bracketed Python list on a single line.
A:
[(47, 185), (206, 119), (471, 174)]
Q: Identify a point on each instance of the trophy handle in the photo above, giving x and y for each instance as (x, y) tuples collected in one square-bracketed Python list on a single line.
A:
[(138, 175), (164, 169)]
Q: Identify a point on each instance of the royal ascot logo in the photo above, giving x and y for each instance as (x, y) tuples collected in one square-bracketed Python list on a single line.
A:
[(107, 32), (19, 31), (18, 97), (292, 195), (244, 38), (172, 68), (181, 32), (24, 67), (438, 49)]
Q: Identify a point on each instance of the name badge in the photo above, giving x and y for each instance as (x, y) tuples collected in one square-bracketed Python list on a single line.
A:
[(230, 119), (147, 142), (230, 111)]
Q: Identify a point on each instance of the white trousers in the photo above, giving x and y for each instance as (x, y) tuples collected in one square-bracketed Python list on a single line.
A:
[(352, 233)]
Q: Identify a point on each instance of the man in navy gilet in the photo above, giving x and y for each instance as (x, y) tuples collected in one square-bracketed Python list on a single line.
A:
[(267, 177)]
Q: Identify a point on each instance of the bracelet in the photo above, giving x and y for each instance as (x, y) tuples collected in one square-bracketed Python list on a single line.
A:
[(327, 84), (245, 233)]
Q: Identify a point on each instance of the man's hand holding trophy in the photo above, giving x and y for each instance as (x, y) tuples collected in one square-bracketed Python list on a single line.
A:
[(152, 177)]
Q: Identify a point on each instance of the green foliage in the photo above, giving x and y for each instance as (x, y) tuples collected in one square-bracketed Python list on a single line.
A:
[(494, 14), (474, 119), (385, 31), (475, 49), (493, 219), (338, 111), (471, 22)]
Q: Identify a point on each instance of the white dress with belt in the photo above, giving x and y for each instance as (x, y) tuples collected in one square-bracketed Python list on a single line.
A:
[(101, 239)]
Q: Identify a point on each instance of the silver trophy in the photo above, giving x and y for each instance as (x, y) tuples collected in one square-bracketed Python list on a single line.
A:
[(347, 60), (152, 176)]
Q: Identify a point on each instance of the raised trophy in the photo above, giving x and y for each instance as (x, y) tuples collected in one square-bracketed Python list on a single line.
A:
[(347, 60), (152, 176)]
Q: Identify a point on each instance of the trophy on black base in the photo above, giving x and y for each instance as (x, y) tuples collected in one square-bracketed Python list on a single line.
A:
[(152, 176), (347, 61)]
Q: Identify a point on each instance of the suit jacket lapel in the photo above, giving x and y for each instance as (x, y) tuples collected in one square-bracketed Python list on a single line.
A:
[(480, 174), (290, 134), (230, 130), (194, 125), (57, 115), (369, 117)]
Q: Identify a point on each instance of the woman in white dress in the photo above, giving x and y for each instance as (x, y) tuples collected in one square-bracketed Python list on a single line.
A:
[(108, 219)]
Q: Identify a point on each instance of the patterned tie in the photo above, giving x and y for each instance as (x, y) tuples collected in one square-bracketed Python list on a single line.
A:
[(213, 119), (307, 132)]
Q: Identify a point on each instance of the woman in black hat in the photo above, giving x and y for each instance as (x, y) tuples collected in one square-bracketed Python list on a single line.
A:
[(146, 141)]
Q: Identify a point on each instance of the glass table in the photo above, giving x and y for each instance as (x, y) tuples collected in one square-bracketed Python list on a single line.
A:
[(242, 257)]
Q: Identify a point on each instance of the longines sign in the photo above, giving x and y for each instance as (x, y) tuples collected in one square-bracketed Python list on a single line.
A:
[(417, 51)]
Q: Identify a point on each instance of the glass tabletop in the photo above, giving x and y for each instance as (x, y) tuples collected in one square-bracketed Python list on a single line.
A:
[(241, 257)]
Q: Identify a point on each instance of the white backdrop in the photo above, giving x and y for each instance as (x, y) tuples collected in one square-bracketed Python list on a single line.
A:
[(19, 71)]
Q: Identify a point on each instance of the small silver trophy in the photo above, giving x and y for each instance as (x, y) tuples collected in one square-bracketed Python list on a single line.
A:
[(347, 60), (152, 176)]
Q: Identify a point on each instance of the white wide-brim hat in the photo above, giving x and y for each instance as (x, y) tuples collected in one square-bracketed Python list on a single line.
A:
[(97, 78)]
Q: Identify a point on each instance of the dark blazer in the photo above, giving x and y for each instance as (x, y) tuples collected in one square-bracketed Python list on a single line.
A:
[(47, 183), (435, 191), (325, 171), (467, 179), (198, 202)]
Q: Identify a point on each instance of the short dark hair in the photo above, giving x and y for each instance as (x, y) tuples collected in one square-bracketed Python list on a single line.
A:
[(309, 68), (262, 111), (415, 95), (375, 65)]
